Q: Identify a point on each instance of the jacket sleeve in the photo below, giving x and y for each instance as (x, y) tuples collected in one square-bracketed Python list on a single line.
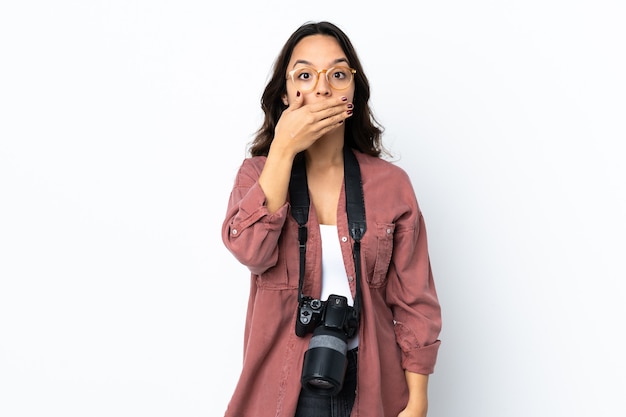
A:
[(411, 293), (249, 231)]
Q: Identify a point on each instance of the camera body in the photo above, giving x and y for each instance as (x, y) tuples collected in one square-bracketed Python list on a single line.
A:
[(332, 323), (334, 313)]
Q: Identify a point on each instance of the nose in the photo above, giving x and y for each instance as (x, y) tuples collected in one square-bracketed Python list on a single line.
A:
[(322, 87)]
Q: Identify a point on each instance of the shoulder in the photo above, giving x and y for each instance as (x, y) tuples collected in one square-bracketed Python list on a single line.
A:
[(250, 169), (388, 193), (380, 170), (253, 162)]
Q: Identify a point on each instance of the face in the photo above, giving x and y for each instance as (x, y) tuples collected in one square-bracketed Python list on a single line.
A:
[(318, 52)]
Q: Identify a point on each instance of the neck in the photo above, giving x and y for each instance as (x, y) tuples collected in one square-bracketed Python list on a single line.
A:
[(328, 150)]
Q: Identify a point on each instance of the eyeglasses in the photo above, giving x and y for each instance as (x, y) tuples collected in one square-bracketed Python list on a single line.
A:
[(305, 78)]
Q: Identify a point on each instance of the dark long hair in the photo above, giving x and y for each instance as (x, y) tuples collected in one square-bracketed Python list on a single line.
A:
[(362, 131)]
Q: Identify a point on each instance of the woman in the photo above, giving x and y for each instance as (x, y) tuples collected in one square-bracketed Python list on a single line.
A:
[(315, 104)]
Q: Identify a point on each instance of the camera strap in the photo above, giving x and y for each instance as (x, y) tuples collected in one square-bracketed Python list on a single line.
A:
[(355, 209)]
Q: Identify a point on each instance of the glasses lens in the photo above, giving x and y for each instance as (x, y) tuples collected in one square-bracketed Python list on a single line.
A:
[(305, 79), (339, 77)]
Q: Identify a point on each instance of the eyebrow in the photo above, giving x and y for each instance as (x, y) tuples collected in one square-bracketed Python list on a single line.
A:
[(305, 62)]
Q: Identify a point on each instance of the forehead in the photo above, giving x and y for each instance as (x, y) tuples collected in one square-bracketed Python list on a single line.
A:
[(319, 50)]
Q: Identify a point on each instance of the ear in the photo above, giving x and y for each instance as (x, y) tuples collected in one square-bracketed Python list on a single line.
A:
[(285, 101)]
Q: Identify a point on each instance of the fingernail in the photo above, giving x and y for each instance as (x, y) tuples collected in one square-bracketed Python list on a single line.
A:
[(297, 93), (344, 98), (349, 112), (350, 106)]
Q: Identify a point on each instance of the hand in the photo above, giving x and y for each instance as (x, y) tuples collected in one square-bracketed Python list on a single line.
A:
[(297, 129), (418, 395), (301, 125), (413, 412)]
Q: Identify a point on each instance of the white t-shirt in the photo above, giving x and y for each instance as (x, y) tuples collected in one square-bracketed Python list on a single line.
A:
[(334, 279)]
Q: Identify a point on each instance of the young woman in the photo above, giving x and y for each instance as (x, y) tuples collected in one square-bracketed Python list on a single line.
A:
[(316, 105)]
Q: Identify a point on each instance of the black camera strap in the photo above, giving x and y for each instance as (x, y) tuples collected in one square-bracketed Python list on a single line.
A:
[(355, 209)]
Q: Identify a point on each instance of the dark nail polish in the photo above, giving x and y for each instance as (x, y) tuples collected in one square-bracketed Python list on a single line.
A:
[(349, 112), (350, 106), (297, 93), (344, 98)]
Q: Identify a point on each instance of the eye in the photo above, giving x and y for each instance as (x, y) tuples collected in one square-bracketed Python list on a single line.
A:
[(339, 73), (304, 74)]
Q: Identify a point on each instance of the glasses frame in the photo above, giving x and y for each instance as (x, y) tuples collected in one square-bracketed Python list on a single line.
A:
[(352, 71)]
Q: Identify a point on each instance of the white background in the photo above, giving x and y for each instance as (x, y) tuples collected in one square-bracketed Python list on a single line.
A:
[(122, 124)]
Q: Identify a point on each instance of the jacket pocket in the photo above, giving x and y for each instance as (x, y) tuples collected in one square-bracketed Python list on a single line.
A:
[(379, 260)]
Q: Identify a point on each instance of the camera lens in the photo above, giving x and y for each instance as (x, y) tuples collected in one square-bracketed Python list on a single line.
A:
[(325, 361), (321, 384)]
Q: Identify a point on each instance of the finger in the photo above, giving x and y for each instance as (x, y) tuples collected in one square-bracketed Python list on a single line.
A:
[(330, 123), (297, 102), (330, 105), (344, 110)]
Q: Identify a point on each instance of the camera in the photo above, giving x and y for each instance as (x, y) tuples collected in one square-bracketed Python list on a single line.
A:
[(332, 323)]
